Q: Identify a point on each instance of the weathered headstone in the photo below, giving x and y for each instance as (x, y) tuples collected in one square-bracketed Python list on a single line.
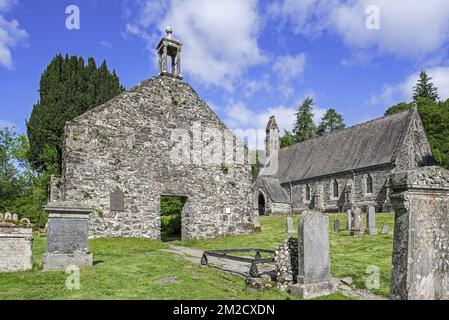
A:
[(290, 227), (15, 216), (348, 220), (2, 216), (8, 216), (67, 236), (356, 229), (256, 225), (16, 247), (336, 225), (371, 220), (314, 277), (420, 199), (384, 228)]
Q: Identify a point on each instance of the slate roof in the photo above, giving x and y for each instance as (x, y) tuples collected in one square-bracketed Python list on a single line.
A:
[(369, 144), (274, 189)]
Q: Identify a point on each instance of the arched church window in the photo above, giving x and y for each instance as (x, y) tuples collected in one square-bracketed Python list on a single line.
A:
[(369, 184), (307, 191), (335, 191)]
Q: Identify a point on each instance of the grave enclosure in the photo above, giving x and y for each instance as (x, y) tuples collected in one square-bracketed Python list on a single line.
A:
[(16, 244)]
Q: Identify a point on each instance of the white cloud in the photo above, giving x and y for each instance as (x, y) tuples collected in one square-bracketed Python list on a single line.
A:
[(220, 37), (105, 44), (408, 28), (6, 124), (289, 67), (10, 35), (239, 116), (403, 91)]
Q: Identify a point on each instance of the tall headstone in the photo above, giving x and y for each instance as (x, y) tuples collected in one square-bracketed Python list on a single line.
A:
[(371, 220), (420, 199), (290, 227), (336, 225), (348, 220), (384, 229), (67, 236), (314, 277), (357, 221)]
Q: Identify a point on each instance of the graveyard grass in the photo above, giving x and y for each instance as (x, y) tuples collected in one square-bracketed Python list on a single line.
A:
[(134, 268)]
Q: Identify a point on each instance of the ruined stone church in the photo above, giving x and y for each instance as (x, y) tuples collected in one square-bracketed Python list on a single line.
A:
[(156, 139), (350, 166)]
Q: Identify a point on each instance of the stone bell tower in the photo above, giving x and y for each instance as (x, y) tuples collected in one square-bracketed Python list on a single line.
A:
[(272, 143), (167, 48)]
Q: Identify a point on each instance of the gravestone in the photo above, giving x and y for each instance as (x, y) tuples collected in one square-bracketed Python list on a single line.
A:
[(2, 216), (348, 220), (15, 217), (357, 221), (67, 236), (8, 216), (336, 225), (16, 247), (117, 201), (290, 227), (384, 229), (314, 277), (256, 225), (420, 199), (371, 220)]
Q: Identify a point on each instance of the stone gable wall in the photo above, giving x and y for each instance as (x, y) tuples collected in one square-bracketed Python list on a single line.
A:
[(126, 144)]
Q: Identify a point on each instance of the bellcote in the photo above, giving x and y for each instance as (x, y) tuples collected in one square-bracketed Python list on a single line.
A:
[(169, 49)]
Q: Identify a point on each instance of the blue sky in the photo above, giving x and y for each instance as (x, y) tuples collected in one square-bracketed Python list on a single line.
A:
[(248, 59)]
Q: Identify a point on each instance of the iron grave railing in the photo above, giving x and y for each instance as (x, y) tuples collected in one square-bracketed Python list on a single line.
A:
[(228, 255)]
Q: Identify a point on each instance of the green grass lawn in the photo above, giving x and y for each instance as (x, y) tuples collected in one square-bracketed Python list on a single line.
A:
[(132, 268), (349, 256)]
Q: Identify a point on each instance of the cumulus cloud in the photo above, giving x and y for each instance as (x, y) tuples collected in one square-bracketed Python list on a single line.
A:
[(239, 116), (10, 34), (408, 28), (220, 37), (403, 91)]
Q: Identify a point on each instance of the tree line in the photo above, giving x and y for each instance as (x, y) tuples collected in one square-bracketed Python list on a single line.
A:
[(68, 88)]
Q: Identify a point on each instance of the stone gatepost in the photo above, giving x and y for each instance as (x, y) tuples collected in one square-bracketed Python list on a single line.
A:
[(67, 236), (420, 199), (314, 277), (16, 245)]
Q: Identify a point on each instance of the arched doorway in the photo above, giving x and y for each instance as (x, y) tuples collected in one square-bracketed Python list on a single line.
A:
[(262, 204)]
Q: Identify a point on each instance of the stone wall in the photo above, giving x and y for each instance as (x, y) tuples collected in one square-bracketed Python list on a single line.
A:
[(379, 198), (286, 264), (126, 146), (16, 247)]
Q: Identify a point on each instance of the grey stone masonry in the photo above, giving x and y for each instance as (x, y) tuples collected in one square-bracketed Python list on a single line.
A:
[(157, 139), (314, 277), (348, 220), (286, 264), (16, 246), (420, 199), (371, 220), (67, 236)]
